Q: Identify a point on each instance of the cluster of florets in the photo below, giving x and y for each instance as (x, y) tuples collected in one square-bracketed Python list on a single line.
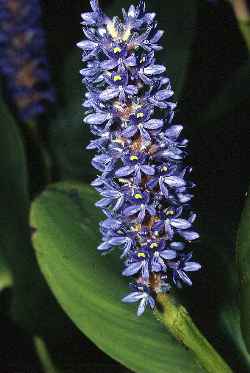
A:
[(143, 182), (22, 61)]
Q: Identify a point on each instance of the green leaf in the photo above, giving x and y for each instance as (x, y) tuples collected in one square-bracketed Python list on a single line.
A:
[(32, 300), (243, 260), (89, 287), (32, 304), (14, 211), (14, 198)]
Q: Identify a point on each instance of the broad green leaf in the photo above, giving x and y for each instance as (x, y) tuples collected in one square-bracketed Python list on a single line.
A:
[(14, 229), (33, 306), (68, 136), (243, 260), (89, 287), (14, 198)]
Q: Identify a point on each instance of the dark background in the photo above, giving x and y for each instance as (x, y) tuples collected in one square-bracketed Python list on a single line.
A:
[(219, 153)]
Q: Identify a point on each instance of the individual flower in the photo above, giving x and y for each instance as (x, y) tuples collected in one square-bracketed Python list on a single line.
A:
[(141, 295), (23, 61), (180, 268), (144, 181)]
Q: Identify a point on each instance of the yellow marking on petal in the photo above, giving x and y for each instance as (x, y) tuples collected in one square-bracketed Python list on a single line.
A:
[(117, 77), (112, 30), (164, 168), (121, 180), (140, 115), (119, 141), (117, 50), (170, 212), (133, 158), (117, 105), (126, 34), (153, 245), (141, 255), (136, 228), (138, 196)]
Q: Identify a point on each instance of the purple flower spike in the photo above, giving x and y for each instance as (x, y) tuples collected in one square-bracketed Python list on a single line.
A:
[(144, 186), (23, 62)]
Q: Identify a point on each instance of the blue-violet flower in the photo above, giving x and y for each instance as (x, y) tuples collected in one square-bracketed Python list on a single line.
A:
[(144, 182), (23, 62)]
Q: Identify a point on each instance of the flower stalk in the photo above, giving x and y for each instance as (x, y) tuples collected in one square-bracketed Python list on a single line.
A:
[(177, 320), (242, 14)]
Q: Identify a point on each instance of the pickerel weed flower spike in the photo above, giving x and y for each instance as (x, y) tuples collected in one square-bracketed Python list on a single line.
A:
[(144, 183), (22, 60)]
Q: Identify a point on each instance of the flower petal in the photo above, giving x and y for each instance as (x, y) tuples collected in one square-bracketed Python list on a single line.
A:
[(148, 170), (142, 306), (189, 235), (181, 223), (131, 90), (174, 131), (87, 45), (153, 124), (130, 131), (104, 246), (109, 94), (104, 202), (191, 266), (154, 69), (124, 171), (177, 245), (97, 118), (185, 278), (133, 297), (131, 210), (157, 36), (109, 64), (174, 181), (164, 94), (151, 302), (115, 241), (132, 268), (168, 254)]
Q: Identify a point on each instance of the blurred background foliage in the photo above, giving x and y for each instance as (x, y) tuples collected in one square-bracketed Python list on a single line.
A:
[(208, 62)]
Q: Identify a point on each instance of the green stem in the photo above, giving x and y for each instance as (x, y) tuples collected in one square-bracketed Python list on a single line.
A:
[(36, 138), (245, 30), (242, 15), (43, 356), (177, 320)]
